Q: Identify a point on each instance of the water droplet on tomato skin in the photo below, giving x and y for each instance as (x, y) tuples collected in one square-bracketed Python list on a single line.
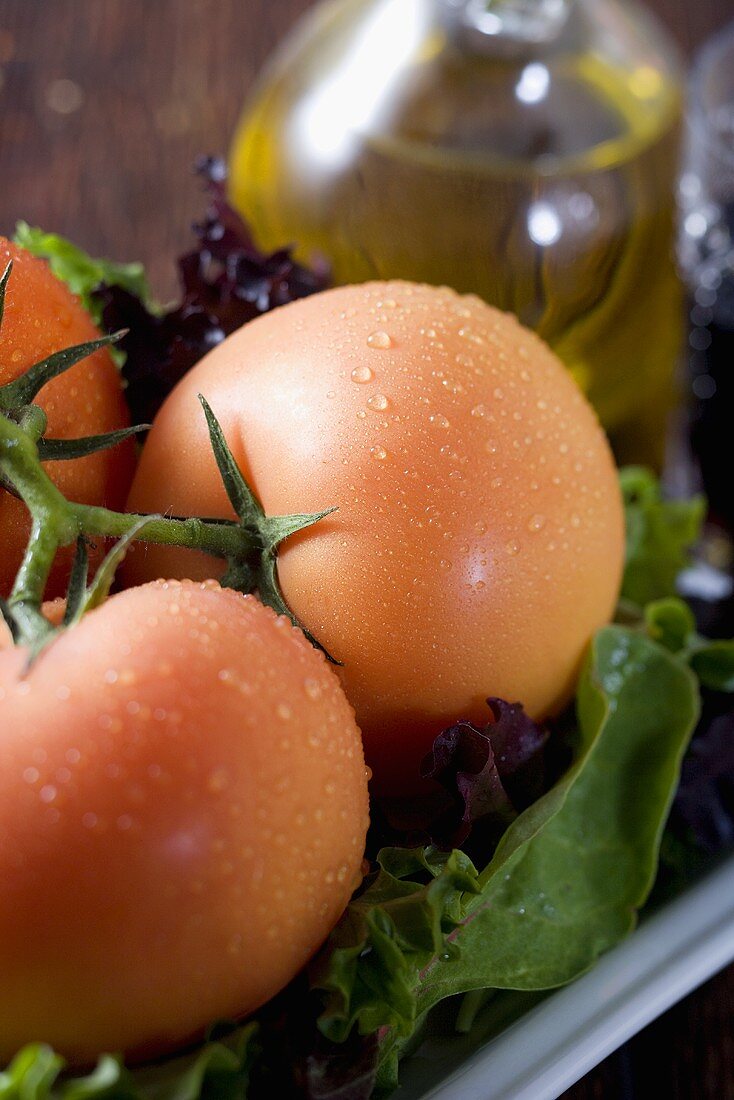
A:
[(380, 340), (217, 781), (312, 688), (362, 374)]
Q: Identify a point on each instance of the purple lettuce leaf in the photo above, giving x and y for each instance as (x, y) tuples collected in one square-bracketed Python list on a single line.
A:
[(226, 281), (298, 1061), (482, 777)]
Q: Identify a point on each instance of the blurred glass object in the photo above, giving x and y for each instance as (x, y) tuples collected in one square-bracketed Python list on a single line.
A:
[(707, 256), (525, 150)]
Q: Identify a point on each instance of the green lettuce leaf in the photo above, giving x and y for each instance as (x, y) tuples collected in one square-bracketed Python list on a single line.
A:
[(82, 273), (387, 935), (566, 880), (671, 623), (569, 875), (31, 1074), (216, 1071), (660, 534), (713, 663)]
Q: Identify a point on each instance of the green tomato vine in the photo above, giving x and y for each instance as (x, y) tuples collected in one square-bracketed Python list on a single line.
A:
[(248, 545)]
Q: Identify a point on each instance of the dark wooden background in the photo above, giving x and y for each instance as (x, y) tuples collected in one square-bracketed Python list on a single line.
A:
[(103, 106)]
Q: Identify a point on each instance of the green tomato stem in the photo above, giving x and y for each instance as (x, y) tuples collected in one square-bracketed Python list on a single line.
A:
[(33, 421), (57, 522), (52, 525), (247, 545), (216, 537)]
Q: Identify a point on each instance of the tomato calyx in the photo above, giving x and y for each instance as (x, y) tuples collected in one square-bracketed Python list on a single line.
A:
[(258, 572)]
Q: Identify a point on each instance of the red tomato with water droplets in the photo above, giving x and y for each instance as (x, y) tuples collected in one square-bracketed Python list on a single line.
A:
[(42, 316), (183, 810), (479, 537)]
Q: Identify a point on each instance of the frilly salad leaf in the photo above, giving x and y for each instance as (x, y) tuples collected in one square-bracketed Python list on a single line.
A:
[(671, 623), (484, 776), (660, 534), (565, 882), (488, 773), (220, 1069), (402, 920), (713, 663), (225, 282), (83, 274)]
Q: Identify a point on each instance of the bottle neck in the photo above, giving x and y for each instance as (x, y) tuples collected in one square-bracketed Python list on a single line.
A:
[(505, 27)]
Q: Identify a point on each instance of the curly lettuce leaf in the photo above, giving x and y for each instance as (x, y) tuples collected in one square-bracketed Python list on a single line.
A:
[(659, 536), (218, 1070), (483, 777), (387, 935), (566, 880), (225, 282), (31, 1074), (671, 623), (488, 773), (82, 273)]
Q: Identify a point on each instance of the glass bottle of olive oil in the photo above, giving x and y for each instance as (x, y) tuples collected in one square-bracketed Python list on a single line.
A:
[(525, 150)]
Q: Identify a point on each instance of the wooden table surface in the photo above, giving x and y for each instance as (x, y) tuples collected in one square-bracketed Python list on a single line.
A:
[(104, 105)]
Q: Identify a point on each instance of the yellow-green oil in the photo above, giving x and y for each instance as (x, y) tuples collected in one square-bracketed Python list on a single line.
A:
[(546, 187)]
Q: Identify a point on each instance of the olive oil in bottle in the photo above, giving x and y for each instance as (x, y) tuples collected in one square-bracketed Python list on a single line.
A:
[(525, 150)]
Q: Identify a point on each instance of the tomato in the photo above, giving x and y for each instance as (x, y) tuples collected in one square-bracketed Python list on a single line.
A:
[(479, 538), (183, 809), (43, 316)]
